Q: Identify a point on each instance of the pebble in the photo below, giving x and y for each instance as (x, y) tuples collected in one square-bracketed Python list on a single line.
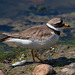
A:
[(43, 69), (72, 65), (1, 73), (70, 70)]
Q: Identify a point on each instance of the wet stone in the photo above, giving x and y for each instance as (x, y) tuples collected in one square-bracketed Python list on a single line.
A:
[(70, 70), (43, 69)]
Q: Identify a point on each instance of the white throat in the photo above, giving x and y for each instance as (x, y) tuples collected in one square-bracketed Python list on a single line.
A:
[(57, 29)]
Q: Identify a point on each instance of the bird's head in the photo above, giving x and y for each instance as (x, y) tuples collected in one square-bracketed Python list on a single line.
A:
[(56, 24)]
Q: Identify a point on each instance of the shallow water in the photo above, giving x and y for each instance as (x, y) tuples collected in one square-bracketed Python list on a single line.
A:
[(69, 39), (5, 28)]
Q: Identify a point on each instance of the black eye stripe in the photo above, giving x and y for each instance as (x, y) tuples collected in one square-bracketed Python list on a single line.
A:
[(59, 24)]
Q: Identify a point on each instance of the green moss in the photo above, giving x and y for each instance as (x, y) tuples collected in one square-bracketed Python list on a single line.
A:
[(13, 52), (2, 56), (0, 52), (73, 57), (59, 67), (20, 54)]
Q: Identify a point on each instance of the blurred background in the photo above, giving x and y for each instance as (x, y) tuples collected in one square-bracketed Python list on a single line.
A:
[(16, 8)]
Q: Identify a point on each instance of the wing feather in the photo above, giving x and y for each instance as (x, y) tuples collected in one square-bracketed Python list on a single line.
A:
[(40, 32)]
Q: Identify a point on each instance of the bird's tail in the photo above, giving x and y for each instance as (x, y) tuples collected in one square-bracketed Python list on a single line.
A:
[(3, 37)]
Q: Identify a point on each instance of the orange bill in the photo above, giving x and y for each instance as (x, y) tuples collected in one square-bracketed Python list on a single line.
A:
[(66, 25)]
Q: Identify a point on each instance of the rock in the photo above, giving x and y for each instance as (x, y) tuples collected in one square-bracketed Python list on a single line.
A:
[(70, 70), (1, 73), (43, 69), (72, 65), (19, 63), (65, 70)]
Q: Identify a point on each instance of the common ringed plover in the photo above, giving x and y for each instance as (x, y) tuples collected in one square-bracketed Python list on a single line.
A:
[(37, 37)]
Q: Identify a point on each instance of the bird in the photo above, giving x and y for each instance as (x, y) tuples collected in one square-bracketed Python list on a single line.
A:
[(37, 37)]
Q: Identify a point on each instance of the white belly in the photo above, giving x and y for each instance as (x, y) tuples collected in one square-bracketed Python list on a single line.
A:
[(45, 43), (35, 44)]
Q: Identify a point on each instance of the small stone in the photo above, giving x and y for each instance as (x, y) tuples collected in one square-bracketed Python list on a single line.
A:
[(1, 73), (72, 66), (43, 69), (68, 71), (71, 72), (65, 70)]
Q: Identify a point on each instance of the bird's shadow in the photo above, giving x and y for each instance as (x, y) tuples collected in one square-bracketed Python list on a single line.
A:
[(59, 62), (63, 61)]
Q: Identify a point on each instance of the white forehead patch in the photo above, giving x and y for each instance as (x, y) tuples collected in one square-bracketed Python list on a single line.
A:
[(56, 22)]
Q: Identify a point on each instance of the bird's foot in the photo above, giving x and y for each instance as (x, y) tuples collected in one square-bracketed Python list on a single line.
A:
[(39, 58), (34, 61), (33, 56)]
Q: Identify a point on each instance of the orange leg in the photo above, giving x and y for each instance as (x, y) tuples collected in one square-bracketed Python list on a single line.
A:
[(32, 55), (39, 58)]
